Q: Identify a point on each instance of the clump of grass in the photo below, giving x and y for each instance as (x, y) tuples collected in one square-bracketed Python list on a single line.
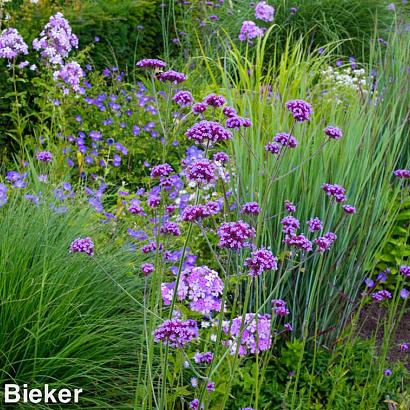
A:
[(63, 320)]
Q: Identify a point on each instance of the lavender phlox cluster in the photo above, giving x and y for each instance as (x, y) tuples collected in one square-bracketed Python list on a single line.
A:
[(82, 245), (279, 307), (261, 260), (250, 208), (314, 224), (335, 191), (249, 335), (183, 98), (170, 228), (325, 242), (402, 173), (286, 140), (264, 12), (333, 132), (56, 40), (405, 270), (12, 44), (201, 172), (300, 110), (44, 156), (200, 285), (71, 74), (235, 235), (208, 131), (151, 63), (172, 76), (176, 332), (250, 31), (161, 170)]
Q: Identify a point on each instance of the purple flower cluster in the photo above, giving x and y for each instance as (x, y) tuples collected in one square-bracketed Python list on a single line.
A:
[(300, 110), (215, 100), (325, 242), (205, 357), (264, 12), (250, 208), (402, 173), (44, 156), (82, 245), (333, 132), (286, 140), (162, 170), (202, 287), (202, 172), (349, 209), (172, 76), (56, 40), (405, 270), (71, 74), (290, 207), (170, 228), (290, 225), (208, 131), (194, 213), (147, 268), (199, 108), (252, 333), (336, 191), (279, 307), (221, 157), (381, 295), (151, 63), (3, 194), (272, 148), (183, 98), (176, 332), (299, 241), (261, 260), (235, 235), (237, 122), (12, 44), (315, 224), (135, 207), (250, 31)]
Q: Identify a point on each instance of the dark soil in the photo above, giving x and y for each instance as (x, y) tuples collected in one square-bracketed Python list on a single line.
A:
[(373, 314)]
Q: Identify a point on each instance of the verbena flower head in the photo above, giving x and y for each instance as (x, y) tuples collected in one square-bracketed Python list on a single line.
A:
[(172, 76), (300, 110), (299, 241), (250, 31), (82, 245), (333, 132), (151, 63), (279, 307), (264, 12), (325, 242), (208, 131), (261, 260), (71, 74), (381, 295), (205, 357), (286, 140), (402, 173), (349, 209), (12, 44), (272, 147), (195, 213), (404, 347), (290, 207), (235, 235), (147, 268), (250, 337), (290, 225), (44, 156), (56, 40), (314, 224), (162, 170), (336, 191), (214, 100), (202, 172), (229, 112), (135, 207), (250, 208), (170, 228), (405, 270), (199, 108), (176, 333), (183, 98), (221, 157)]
